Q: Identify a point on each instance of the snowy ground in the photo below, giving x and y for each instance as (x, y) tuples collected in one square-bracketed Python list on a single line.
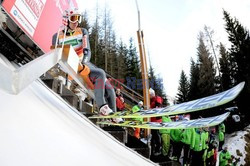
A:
[(236, 142)]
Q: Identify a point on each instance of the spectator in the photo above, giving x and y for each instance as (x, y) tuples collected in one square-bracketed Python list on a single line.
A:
[(135, 109), (186, 138), (212, 135), (120, 104), (196, 146), (215, 153), (165, 136), (211, 154), (224, 157), (222, 127), (221, 135), (155, 102), (205, 141), (211, 157), (176, 143)]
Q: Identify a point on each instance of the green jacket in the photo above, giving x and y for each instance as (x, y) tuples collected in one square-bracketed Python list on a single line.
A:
[(197, 141), (224, 157), (221, 136), (186, 136), (222, 127), (175, 134), (210, 153), (136, 108), (205, 136), (165, 119)]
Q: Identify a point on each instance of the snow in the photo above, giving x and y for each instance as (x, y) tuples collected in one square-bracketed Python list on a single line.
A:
[(39, 128), (234, 142)]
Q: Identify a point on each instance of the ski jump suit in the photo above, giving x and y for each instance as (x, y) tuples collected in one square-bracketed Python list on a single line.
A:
[(103, 90)]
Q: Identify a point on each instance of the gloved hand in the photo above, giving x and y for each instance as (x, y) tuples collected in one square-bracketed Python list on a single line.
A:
[(86, 56), (85, 51), (84, 70)]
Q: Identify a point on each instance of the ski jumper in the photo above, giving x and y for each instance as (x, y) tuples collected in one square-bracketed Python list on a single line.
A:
[(78, 39)]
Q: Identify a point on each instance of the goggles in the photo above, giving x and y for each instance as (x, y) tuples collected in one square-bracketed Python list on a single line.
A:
[(75, 18)]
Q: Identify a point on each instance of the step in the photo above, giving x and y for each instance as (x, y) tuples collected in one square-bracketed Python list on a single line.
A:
[(138, 146), (70, 97), (119, 133)]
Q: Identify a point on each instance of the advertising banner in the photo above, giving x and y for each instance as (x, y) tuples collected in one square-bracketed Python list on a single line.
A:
[(39, 19)]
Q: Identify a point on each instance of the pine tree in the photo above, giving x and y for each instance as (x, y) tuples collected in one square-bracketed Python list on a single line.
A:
[(206, 80), (113, 61), (193, 83), (100, 52), (121, 61), (156, 83), (240, 49), (94, 38), (183, 89), (225, 68), (133, 76), (85, 21), (151, 77), (164, 97), (239, 59)]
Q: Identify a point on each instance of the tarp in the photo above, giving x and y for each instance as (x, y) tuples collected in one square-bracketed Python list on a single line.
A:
[(39, 128)]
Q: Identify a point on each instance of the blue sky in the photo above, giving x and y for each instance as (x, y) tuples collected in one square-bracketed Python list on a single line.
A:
[(171, 28)]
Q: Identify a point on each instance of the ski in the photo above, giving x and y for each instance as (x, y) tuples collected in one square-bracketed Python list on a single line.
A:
[(196, 123), (183, 108)]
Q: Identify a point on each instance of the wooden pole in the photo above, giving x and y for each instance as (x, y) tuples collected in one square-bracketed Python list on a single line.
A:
[(144, 70)]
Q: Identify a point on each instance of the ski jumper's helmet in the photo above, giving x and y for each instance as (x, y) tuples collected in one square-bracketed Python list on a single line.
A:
[(72, 15)]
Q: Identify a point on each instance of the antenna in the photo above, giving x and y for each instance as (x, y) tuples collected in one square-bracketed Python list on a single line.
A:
[(139, 21)]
